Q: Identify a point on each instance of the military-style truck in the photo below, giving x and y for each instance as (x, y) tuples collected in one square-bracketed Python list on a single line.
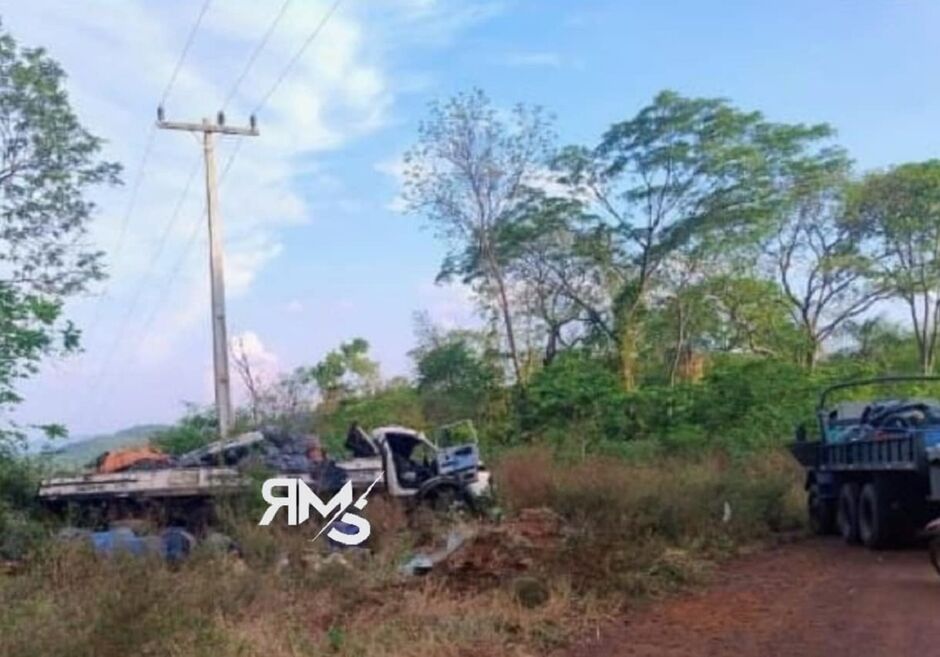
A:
[(873, 475)]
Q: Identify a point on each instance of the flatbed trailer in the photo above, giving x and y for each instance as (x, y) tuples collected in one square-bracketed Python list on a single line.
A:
[(185, 492), (873, 487)]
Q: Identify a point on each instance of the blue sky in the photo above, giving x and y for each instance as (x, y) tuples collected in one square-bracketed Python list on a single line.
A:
[(317, 252)]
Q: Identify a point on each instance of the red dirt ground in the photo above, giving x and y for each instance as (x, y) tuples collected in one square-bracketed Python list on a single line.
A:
[(818, 597)]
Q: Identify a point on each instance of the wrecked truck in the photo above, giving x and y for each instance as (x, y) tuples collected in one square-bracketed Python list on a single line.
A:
[(408, 466)]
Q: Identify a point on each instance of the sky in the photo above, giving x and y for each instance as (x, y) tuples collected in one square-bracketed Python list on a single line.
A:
[(317, 248)]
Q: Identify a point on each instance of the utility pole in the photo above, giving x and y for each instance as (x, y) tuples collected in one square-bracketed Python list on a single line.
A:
[(223, 393)]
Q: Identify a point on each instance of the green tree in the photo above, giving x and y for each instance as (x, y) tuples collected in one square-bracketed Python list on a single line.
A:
[(817, 257), (467, 174), (345, 371), (457, 374), (555, 255), (898, 213), (48, 165), (577, 401), (680, 168), (887, 346), (197, 428)]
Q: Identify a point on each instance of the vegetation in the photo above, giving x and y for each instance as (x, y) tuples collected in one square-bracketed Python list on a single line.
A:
[(660, 309), (626, 531), (49, 166)]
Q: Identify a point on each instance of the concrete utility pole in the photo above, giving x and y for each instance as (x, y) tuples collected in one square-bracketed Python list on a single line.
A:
[(223, 394)]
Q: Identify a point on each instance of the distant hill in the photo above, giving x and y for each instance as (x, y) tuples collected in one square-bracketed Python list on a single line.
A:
[(84, 450)]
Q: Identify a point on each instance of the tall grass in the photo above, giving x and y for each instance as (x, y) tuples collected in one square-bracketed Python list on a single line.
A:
[(629, 530), (637, 527)]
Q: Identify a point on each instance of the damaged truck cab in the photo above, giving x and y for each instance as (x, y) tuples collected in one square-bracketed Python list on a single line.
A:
[(414, 467), (408, 466)]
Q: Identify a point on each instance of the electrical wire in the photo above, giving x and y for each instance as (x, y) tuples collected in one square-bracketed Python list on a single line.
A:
[(254, 54), (297, 55), (186, 47), (192, 239)]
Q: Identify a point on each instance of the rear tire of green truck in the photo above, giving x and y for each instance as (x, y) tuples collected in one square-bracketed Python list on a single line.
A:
[(873, 522), (822, 513), (847, 513)]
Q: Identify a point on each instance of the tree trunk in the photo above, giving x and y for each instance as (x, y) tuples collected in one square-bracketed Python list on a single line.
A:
[(507, 315), (811, 358), (630, 337), (679, 345)]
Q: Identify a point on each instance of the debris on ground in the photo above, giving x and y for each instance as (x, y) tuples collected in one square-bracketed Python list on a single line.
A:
[(423, 563), (132, 458), (474, 558), (505, 550), (172, 544)]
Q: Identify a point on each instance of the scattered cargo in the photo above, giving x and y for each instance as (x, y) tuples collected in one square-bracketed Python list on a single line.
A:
[(181, 490), (173, 544)]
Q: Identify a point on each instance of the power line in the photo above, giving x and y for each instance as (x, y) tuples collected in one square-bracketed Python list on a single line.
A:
[(161, 298), (257, 51), (303, 48), (150, 135), (145, 156), (238, 144), (187, 249), (144, 160), (132, 306), (233, 90), (186, 47)]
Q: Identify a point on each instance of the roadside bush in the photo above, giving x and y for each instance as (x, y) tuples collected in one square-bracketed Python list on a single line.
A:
[(396, 405), (575, 403), (625, 518), (196, 429), (20, 527)]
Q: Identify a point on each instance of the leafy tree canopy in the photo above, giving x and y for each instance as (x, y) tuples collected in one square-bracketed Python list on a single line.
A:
[(49, 164)]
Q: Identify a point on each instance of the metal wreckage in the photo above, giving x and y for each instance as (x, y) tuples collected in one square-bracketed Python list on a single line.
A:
[(180, 492)]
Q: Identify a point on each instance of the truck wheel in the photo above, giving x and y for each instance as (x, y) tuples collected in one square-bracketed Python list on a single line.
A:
[(448, 499), (872, 510), (935, 553), (822, 516), (847, 513)]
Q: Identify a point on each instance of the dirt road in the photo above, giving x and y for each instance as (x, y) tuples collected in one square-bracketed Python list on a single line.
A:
[(813, 598)]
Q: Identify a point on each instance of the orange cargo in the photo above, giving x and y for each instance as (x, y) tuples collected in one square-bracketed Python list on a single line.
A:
[(123, 459)]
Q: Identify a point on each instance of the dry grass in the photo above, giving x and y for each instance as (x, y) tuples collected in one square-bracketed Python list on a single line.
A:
[(71, 603), (631, 530), (643, 528)]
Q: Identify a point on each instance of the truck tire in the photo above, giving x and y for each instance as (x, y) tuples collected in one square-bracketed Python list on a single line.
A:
[(822, 512), (935, 553), (847, 512), (873, 516), (447, 498)]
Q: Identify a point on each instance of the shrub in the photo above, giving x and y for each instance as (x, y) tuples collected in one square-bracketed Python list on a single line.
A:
[(624, 518)]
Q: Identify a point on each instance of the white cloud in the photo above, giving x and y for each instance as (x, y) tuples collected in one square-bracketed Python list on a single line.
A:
[(294, 306), (263, 363), (450, 306), (251, 346), (395, 169), (338, 90), (119, 57)]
